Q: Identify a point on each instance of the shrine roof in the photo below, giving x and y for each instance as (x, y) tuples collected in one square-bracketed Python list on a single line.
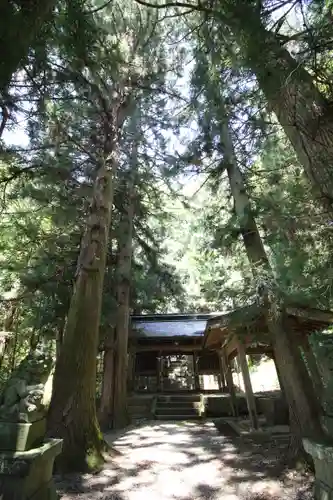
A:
[(302, 320), (169, 325)]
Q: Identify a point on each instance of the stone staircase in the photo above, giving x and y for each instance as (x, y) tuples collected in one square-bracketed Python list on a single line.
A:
[(178, 407)]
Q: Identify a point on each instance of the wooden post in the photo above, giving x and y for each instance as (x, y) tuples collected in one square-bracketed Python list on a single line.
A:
[(312, 366), (237, 370), (131, 369), (159, 378), (230, 384), (196, 375), (251, 403), (223, 383)]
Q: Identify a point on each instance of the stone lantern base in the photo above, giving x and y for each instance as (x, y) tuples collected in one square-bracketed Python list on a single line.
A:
[(27, 475), (322, 455)]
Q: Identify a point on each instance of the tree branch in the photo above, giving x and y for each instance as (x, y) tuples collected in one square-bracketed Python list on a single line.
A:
[(97, 9), (5, 116), (189, 6)]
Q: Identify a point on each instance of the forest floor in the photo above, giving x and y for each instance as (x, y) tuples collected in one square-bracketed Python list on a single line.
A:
[(189, 461)]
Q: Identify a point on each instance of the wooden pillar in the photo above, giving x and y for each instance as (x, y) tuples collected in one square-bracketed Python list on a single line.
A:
[(230, 384), (250, 399), (223, 382), (196, 374), (131, 369), (238, 371), (159, 368), (312, 366)]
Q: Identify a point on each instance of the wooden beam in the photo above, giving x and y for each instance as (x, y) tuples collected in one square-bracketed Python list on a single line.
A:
[(311, 314), (166, 349), (251, 403)]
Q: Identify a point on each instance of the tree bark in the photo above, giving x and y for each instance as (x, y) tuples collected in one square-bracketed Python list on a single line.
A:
[(303, 112), (312, 366), (123, 278), (131, 370), (72, 414), (250, 399), (295, 378), (106, 403), (230, 384), (7, 340), (19, 27)]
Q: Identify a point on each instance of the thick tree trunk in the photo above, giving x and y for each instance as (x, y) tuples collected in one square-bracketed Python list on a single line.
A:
[(106, 403), (123, 278), (295, 378), (7, 340), (72, 414), (303, 112), (296, 381), (19, 27)]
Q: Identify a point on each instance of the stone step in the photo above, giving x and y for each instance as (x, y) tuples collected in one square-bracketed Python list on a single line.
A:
[(178, 404), (176, 411), (177, 417), (138, 407), (177, 398)]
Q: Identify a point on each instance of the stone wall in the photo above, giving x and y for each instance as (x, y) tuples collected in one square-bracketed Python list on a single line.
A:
[(140, 406)]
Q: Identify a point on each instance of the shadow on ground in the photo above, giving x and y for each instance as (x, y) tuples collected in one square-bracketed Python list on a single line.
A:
[(189, 461)]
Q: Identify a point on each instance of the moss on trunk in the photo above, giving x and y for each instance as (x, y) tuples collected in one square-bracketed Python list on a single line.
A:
[(72, 413)]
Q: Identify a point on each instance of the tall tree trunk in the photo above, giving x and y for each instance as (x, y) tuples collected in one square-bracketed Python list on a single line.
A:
[(123, 278), (303, 112), (106, 404), (297, 384), (19, 26), (8, 340), (72, 414)]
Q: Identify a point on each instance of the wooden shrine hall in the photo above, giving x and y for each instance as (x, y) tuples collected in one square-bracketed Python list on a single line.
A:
[(171, 353), (165, 355)]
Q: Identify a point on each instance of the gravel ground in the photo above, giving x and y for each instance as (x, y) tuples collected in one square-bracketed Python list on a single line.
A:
[(188, 461)]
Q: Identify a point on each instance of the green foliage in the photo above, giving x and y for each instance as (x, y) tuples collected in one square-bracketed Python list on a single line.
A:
[(187, 251), (48, 186)]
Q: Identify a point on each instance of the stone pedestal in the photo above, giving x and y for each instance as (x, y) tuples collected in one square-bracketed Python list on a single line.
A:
[(27, 475), (322, 455), (19, 436)]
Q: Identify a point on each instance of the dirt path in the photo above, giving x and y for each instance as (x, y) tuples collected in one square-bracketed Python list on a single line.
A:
[(187, 461)]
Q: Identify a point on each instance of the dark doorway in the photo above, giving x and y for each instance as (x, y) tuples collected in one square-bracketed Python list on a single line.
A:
[(177, 372)]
